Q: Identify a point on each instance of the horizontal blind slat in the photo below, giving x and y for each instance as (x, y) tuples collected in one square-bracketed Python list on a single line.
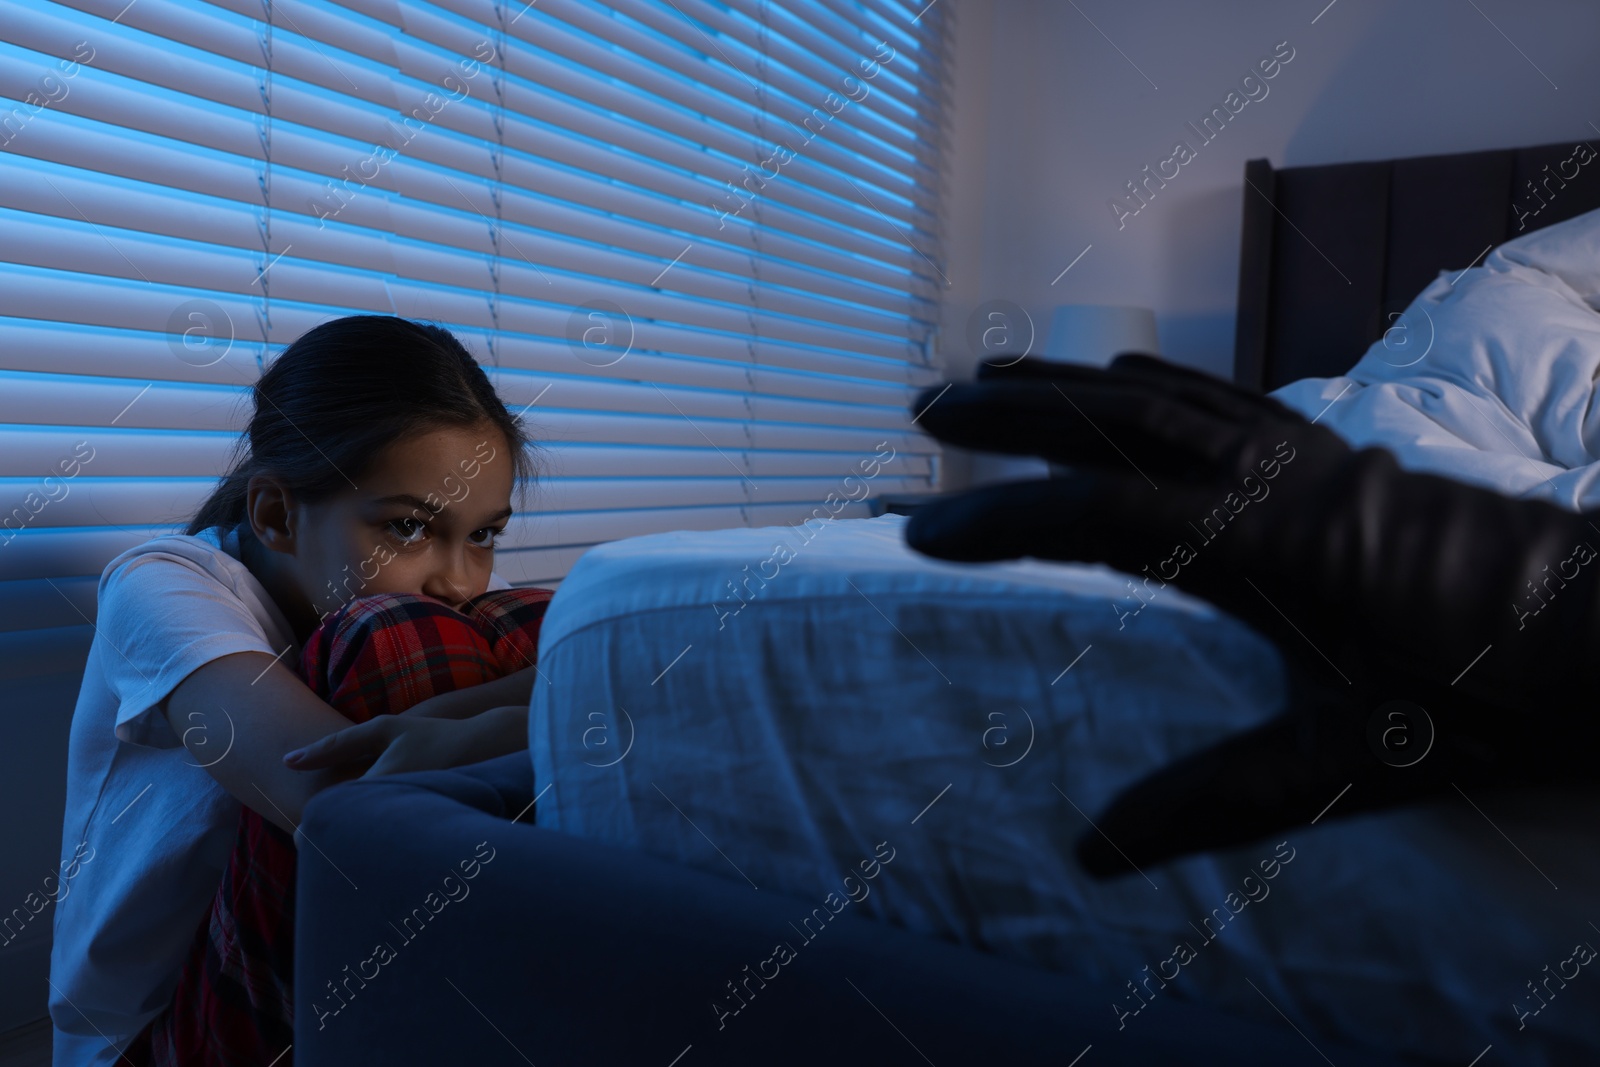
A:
[(200, 178), (101, 93), (443, 236), (198, 345), (29, 399), (201, 315), (95, 147), (40, 460), (130, 502), (546, 307)]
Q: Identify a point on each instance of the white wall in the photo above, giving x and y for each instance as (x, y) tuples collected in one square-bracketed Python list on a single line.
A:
[(1052, 121)]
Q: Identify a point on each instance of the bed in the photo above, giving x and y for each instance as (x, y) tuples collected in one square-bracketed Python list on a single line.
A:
[(816, 731), (1329, 254), (770, 705)]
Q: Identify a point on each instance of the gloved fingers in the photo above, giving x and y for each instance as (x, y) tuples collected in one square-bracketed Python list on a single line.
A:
[(1154, 536), (1336, 751), (1183, 384), (1240, 790), (1104, 424), (1303, 766), (1147, 400), (1215, 394), (1090, 517)]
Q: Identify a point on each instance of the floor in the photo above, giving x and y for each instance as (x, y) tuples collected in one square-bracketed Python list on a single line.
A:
[(26, 1046)]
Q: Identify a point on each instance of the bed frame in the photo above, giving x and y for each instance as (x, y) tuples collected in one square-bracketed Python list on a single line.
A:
[(1329, 253)]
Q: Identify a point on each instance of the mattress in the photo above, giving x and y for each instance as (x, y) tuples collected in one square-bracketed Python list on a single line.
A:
[(966, 722), (819, 711)]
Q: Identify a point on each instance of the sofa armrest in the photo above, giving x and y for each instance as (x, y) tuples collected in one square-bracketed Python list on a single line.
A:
[(431, 928)]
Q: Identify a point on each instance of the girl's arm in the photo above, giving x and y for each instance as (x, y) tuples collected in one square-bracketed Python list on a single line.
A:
[(516, 688), (238, 716), (402, 744)]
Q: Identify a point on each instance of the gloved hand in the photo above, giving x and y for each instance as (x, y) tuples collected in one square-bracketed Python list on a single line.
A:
[(1378, 584)]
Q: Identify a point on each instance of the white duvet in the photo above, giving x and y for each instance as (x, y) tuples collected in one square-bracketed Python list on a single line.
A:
[(1490, 375), (973, 717)]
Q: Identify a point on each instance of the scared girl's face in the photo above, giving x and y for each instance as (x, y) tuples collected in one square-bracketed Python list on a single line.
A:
[(423, 519)]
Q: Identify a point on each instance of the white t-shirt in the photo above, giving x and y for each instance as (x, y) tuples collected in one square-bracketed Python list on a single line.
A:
[(147, 830)]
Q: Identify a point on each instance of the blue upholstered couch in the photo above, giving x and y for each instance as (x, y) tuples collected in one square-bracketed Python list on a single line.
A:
[(437, 925)]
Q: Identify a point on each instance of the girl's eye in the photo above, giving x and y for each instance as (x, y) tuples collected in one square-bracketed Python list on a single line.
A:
[(487, 537), (407, 531)]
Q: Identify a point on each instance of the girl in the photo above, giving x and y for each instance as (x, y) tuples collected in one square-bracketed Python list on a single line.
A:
[(341, 571)]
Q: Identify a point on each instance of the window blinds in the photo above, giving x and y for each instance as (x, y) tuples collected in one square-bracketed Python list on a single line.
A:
[(695, 242)]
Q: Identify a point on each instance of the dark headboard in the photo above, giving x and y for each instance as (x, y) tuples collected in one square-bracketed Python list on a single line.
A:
[(1329, 252)]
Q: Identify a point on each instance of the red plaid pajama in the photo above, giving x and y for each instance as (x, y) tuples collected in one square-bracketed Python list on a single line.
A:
[(378, 655)]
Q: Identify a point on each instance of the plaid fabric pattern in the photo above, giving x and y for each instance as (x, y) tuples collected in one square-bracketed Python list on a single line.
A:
[(378, 655)]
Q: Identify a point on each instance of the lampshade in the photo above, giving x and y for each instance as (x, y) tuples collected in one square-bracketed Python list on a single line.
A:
[(1095, 333)]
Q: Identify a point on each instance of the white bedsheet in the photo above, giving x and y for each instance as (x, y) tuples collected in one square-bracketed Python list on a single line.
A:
[(974, 717), (1489, 375)]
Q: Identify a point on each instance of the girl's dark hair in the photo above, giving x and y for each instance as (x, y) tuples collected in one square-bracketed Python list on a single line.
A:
[(342, 392)]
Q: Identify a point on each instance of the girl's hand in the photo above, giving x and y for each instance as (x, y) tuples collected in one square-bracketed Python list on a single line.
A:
[(398, 743), (514, 688)]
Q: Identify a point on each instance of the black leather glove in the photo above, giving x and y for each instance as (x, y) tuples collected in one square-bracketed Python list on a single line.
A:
[(1379, 585)]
